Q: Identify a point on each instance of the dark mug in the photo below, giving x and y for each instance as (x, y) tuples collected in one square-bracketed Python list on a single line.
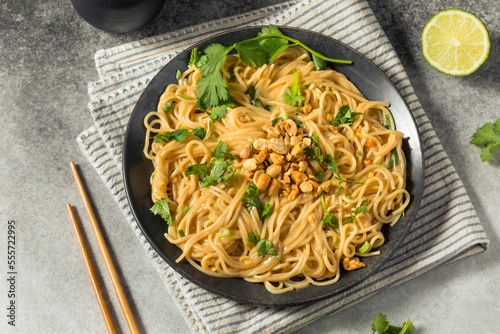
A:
[(118, 16)]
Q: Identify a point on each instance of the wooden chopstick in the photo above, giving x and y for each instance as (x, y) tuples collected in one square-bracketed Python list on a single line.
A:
[(122, 298), (93, 277)]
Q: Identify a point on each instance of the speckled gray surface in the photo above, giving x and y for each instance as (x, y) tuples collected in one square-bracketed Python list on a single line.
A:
[(46, 58)]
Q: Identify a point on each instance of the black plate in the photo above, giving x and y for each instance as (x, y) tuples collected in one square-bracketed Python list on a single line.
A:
[(137, 170)]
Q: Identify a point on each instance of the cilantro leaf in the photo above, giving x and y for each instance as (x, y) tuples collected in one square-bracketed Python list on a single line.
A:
[(266, 211), (258, 103), (298, 122), (250, 197), (251, 92), (221, 151), (218, 112), (200, 132), (345, 115), (273, 45), (380, 325), (486, 136), (197, 59), (253, 237), (361, 208), (319, 64), (331, 220), (393, 161), (161, 208), (200, 169), (277, 120), (293, 95), (265, 247), (251, 53), (218, 167), (331, 165), (211, 88), (178, 135)]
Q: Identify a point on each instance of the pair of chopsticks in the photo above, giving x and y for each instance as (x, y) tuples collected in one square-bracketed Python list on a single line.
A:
[(122, 298)]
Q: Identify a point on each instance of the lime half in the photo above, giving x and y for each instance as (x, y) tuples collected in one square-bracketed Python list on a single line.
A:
[(455, 42)]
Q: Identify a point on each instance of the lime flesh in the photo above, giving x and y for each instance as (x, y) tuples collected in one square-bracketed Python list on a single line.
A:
[(455, 42)]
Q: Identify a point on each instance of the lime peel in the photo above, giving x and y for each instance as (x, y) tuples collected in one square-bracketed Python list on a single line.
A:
[(455, 42)]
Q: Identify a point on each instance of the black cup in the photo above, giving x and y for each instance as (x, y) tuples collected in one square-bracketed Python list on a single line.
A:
[(119, 16)]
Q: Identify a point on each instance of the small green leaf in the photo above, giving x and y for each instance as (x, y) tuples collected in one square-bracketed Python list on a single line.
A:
[(251, 92), (266, 211), (393, 161), (178, 135), (200, 132), (361, 208), (331, 220), (199, 169), (253, 237), (345, 115), (265, 247), (319, 64), (161, 208)]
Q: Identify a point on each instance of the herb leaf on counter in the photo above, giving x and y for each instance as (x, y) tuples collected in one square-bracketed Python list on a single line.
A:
[(486, 136)]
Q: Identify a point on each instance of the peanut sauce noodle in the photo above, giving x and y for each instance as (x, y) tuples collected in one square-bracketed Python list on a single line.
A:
[(212, 225)]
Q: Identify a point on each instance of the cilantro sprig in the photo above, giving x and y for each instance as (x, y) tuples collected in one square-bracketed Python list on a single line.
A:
[(486, 136), (160, 207), (380, 325), (264, 246), (293, 95), (331, 165), (250, 197), (211, 88), (345, 115), (180, 135), (220, 169)]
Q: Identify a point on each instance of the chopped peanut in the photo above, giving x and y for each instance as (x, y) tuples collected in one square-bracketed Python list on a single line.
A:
[(246, 151), (291, 127), (273, 170), (352, 264), (273, 188), (263, 181), (306, 187), (297, 177), (260, 144), (278, 146), (257, 175), (307, 108), (250, 164), (365, 219)]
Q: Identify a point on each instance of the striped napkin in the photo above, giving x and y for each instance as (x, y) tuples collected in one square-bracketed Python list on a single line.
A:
[(446, 228)]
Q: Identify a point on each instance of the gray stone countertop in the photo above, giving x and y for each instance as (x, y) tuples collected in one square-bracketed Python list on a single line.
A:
[(46, 61)]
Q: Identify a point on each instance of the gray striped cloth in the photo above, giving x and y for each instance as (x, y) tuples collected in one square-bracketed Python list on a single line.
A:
[(446, 228)]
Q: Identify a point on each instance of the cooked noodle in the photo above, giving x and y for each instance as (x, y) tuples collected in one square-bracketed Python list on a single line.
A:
[(212, 224)]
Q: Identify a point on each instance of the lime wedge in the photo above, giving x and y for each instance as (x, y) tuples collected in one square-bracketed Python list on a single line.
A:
[(455, 42)]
